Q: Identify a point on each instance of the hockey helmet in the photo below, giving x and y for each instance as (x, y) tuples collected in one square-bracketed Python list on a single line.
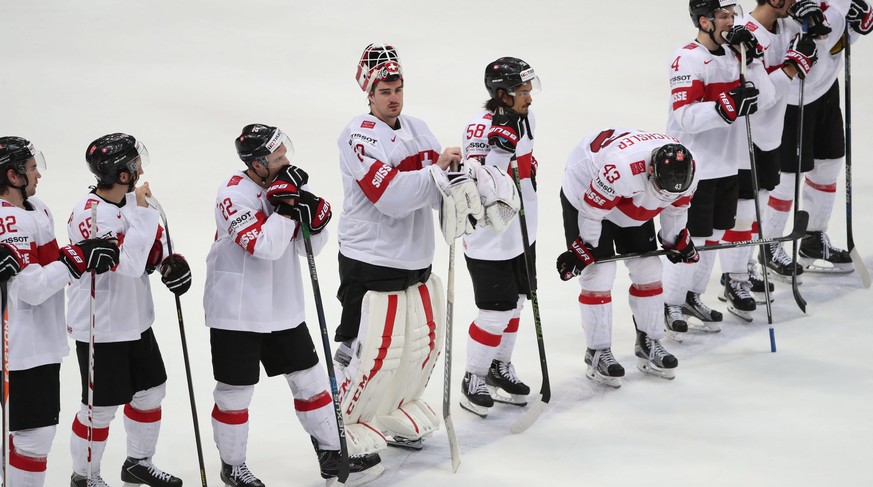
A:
[(15, 152), (508, 72), (706, 8), (113, 154), (672, 168), (257, 141), (379, 62)]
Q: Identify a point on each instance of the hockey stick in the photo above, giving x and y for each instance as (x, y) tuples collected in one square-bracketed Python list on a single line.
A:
[(795, 246), (154, 204), (5, 386), (92, 310), (860, 267), (537, 408), (800, 222), (328, 357), (754, 169), (447, 371)]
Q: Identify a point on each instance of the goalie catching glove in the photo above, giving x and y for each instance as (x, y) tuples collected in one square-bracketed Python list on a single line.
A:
[(460, 199), (98, 255), (498, 193)]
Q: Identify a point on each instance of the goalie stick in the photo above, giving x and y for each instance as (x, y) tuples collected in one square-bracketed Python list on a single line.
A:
[(447, 371)]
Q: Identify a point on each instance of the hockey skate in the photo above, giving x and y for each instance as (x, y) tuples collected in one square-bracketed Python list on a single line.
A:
[(738, 296), (361, 469), (141, 471), (778, 263), (757, 285), (818, 255), (674, 321), (653, 359), (403, 442), (708, 317), (603, 368), (504, 385), (475, 397), (82, 481), (239, 476)]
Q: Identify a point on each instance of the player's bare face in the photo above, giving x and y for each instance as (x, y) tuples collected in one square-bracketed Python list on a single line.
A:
[(782, 11), (522, 99), (724, 20), (33, 176), (386, 101)]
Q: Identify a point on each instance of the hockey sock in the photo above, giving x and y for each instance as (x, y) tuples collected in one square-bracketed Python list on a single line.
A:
[(28, 450), (507, 341), (676, 278), (230, 421), (778, 207), (485, 336), (595, 304), (142, 422), (646, 295), (820, 192), (102, 416), (314, 405), (703, 269)]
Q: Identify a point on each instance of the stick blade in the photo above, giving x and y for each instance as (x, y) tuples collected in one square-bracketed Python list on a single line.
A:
[(453, 443), (530, 416), (860, 267)]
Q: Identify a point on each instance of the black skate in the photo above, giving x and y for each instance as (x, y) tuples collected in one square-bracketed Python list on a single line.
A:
[(778, 263), (738, 295), (141, 471), (757, 285), (77, 480), (674, 321), (708, 317), (818, 255), (238, 476), (504, 385), (603, 368), (653, 359), (361, 469), (475, 398)]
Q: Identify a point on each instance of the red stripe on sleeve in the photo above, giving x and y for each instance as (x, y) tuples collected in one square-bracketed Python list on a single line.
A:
[(47, 253), (375, 182), (248, 237)]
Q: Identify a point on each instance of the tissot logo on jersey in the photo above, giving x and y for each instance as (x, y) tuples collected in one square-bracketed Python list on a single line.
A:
[(363, 138), (681, 80), (241, 220)]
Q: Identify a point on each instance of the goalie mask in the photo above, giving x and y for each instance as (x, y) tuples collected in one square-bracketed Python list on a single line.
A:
[(379, 62)]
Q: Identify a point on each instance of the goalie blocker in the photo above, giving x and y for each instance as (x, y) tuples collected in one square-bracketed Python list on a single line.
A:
[(399, 340)]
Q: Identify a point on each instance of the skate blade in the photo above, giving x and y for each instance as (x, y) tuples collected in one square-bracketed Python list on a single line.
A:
[(676, 336), (822, 266), (480, 411), (614, 382), (646, 367), (704, 326), (408, 443), (360, 478), (760, 298), (775, 276), (744, 315), (501, 396), (688, 311)]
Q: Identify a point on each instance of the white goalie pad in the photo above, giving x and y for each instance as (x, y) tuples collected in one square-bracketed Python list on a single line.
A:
[(498, 193), (460, 198), (402, 411)]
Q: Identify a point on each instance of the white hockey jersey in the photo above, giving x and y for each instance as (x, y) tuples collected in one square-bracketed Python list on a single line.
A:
[(484, 243), (123, 296), (37, 332), (389, 194), (607, 179), (253, 277)]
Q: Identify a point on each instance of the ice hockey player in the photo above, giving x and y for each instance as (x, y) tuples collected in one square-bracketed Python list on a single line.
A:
[(392, 324), (259, 213), (35, 272), (494, 251), (707, 100), (615, 184), (823, 137), (128, 367)]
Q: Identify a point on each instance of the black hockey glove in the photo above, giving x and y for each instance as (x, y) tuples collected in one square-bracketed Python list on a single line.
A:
[(310, 210), (571, 263), (10, 262), (740, 101), (860, 17), (287, 184), (802, 54), (682, 250), (503, 133), (176, 274), (808, 12), (740, 37), (96, 254)]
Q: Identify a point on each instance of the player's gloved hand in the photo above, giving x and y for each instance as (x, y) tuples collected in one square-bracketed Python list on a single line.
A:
[(860, 17), (740, 101), (96, 254), (287, 184), (176, 274), (740, 37), (310, 210), (802, 54), (11, 261), (503, 133), (809, 13), (577, 257), (682, 250)]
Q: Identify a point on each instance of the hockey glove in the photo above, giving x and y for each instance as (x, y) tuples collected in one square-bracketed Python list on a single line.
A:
[(802, 54), (156, 254), (808, 12), (571, 263), (740, 101), (860, 17), (503, 133), (96, 254), (682, 250), (740, 37), (312, 211), (287, 184), (11, 262), (176, 274)]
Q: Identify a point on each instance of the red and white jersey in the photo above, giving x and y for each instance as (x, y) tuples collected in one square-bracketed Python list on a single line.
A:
[(123, 296), (389, 194), (768, 121), (697, 78), (607, 178), (37, 332), (253, 277), (484, 243)]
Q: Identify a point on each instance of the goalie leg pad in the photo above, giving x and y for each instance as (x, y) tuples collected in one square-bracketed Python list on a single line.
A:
[(460, 198)]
